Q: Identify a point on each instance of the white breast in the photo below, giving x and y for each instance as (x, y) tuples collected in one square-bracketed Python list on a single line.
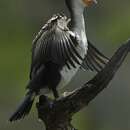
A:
[(67, 74)]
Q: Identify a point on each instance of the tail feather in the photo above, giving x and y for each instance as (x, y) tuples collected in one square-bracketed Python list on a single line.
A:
[(24, 108)]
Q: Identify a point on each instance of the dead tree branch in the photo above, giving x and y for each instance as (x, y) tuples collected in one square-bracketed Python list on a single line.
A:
[(57, 114)]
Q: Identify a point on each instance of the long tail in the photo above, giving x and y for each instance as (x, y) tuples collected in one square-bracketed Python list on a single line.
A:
[(24, 108)]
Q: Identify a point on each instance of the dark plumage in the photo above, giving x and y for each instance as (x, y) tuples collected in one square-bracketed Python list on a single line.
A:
[(58, 51), (94, 60)]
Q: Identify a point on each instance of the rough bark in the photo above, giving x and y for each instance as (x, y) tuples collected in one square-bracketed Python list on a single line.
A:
[(57, 115)]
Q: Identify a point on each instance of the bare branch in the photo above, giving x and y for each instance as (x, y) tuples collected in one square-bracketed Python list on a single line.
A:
[(57, 114)]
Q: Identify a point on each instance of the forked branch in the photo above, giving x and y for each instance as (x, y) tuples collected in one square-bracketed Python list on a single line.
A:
[(57, 114)]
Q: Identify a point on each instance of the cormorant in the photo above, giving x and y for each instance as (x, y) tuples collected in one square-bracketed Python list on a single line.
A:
[(58, 51)]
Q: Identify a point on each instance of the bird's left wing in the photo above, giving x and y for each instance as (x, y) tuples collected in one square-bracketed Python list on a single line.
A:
[(55, 43), (94, 60)]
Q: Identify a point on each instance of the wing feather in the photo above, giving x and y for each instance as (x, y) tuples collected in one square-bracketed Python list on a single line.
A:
[(54, 44), (73, 46), (66, 50), (94, 59), (93, 66), (73, 55)]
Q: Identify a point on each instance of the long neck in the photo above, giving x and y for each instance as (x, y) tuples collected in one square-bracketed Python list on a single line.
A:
[(77, 21), (77, 17)]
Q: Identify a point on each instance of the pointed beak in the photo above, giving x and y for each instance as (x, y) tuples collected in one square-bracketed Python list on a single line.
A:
[(90, 2)]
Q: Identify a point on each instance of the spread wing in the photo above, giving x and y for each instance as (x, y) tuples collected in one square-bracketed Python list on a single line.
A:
[(94, 60), (56, 44)]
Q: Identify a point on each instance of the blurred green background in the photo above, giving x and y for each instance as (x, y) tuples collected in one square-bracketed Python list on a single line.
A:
[(108, 26)]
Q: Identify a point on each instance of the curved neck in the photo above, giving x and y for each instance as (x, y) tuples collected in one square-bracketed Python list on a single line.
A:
[(76, 10), (77, 21)]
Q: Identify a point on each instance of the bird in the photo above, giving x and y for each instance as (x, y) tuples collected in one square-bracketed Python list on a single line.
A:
[(59, 50)]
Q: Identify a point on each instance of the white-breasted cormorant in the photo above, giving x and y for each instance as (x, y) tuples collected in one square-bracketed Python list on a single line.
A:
[(59, 50)]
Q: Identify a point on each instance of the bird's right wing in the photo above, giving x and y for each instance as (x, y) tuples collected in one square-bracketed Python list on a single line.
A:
[(94, 60)]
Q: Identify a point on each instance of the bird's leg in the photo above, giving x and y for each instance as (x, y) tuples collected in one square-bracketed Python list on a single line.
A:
[(42, 99), (55, 93)]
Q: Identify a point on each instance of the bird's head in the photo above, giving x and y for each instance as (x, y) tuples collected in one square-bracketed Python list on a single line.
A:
[(79, 4), (89, 2)]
